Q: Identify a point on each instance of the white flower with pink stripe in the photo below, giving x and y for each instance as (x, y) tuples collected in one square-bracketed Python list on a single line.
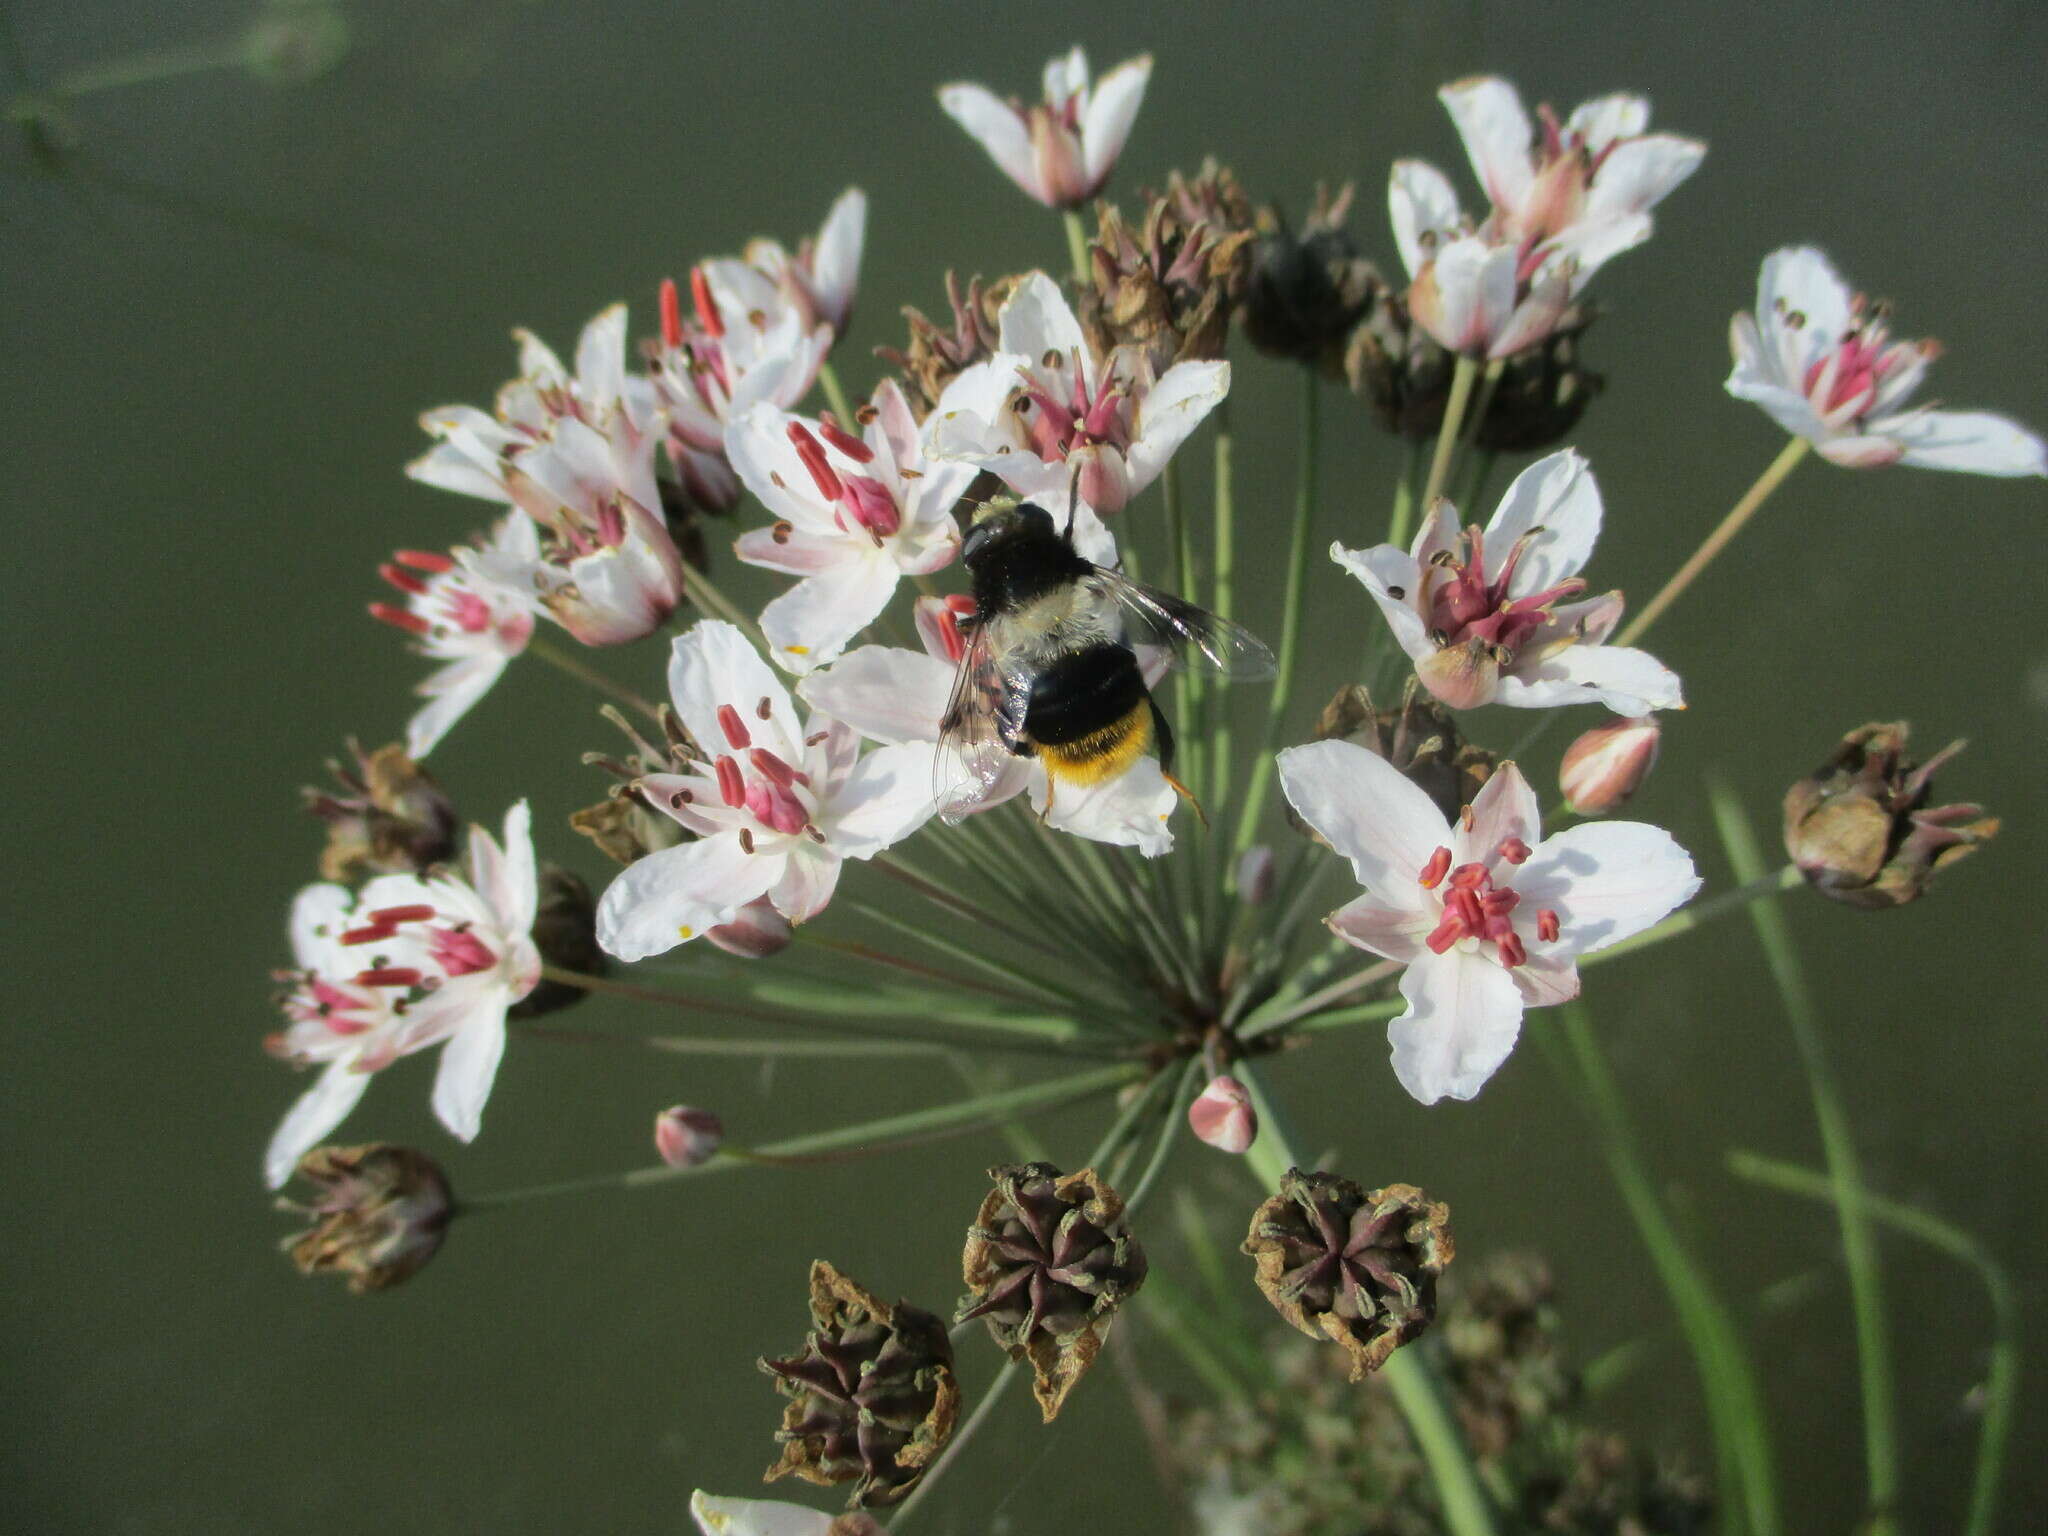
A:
[(1060, 149)]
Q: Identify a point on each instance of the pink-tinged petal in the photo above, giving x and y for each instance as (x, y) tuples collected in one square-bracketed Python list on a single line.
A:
[(835, 268), (671, 896), (1037, 320), (1640, 174), (1504, 809), (317, 1111), (601, 357), (1546, 980), (888, 796), (888, 695), (1171, 410), (812, 622), (1976, 441), (1787, 407), (508, 878), (1112, 109), (1865, 451), (715, 664), (1132, 810), (1420, 201), (1395, 932), (755, 1517), (1607, 880), (1558, 496), (1805, 283), (1464, 1013), (453, 690), (452, 467), (1466, 297), (469, 1065), (691, 800), (1627, 681), (992, 124), (1386, 571), (809, 877), (1532, 320), (1589, 244), (1368, 811), (1497, 134), (798, 552), (1064, 75), (1599, 122)]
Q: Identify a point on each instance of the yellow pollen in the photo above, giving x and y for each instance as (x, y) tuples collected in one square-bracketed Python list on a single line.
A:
[(686, 931)]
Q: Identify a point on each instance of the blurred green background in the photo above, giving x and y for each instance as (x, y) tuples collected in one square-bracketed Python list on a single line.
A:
[(224, 312)]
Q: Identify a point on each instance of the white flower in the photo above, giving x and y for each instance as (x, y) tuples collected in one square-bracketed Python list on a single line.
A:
[(1062, 149), (406, 964), (1820, 360), (854, 514), (1488, 916), (771, 1517), (1062, 409), (1485, 616), (464, 617), (577, 455), (899, 698), (820, 280), (745, 342), (1565, 199), (775, 811)]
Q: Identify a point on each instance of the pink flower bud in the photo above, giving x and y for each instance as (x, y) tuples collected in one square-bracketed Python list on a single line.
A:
[(1255, 874), (1608, 764), (756, 932), (1222, 1115), (686, 1137)]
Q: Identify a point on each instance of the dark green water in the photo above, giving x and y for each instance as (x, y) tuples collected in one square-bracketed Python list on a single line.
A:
[(207, 423)]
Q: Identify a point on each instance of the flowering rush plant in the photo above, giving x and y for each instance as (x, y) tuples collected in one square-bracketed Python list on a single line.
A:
[(959, 778)]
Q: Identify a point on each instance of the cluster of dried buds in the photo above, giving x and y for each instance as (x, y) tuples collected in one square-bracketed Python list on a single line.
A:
[(379, 1214)]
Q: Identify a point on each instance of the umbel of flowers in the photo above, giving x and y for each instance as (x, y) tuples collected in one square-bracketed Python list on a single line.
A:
[(945, 765)]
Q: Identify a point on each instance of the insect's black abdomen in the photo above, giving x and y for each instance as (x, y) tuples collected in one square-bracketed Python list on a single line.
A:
[(1083, 692)]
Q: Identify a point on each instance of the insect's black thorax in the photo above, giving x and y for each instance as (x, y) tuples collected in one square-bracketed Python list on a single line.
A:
[(1019, 560)]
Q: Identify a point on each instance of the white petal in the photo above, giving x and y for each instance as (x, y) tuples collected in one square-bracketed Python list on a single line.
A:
[(977, 393), (657, 902), (319, 914), (1369, 812), (811, 623), (757, 446), (1977, 441), (1132, 810), (1601, 121), (1640, 174), (799, 552), (1558, 495), (469, 1065), (809, 877), (1065, 74), (1808, 285), (1497, 135), (1172, 409), (1111, 110), (1464, 1013), (1038, 320), (1626, 680), (887, 694), (1505, 807), (1385, 570), (1420, 201), (835, 268), (888, 796), (601, 357), (512, 885), (997, 128), (451, 466), (1606, 880), (1395, 932), (755, 1517), (715, 664), (319, 1110)]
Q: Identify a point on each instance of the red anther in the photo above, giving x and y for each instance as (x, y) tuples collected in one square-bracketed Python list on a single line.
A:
[(373, 933), (843, 440), (425, 560), (732, 785), (962, 606), (736, 734), (401, 618), (671, 314), (1447, 933), (707, 308), (1512, 953), (812, 452), (418, 912), (1468, 910), (1470, 877), (1515, 851), (772, 768), (1499, 903), (389, 976), (405, 581), (1547, 925), (611, 525), (1434, 871)]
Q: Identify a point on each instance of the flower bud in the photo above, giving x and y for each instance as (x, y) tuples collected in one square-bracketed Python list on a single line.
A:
[(1222, 1115), (1307, 291), (1859, 826), (756, 931), (687, 1137), (393, 819), (1608, 764), (1254, 878), (380, 1213)]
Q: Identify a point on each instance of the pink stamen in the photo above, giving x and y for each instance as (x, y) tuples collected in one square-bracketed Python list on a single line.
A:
[(469, 612), (460, 952), (671, 314), (400, 618), (388, 976), (374, 933), (772, 768), (707, 307), (812, 452), (844, 441), (1515, 851), (1547, 925), (734, 728), (776, 807), (611, 525), (1434, 871), (425, 560), (417, 912), (405, 581), (1474, 908), (732, 784), (872, 506)]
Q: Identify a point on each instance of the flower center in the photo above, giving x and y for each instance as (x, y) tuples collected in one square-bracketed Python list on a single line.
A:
[(1476, 907), (1461, 605), (769, 791), (862, 497), (1089, 415)]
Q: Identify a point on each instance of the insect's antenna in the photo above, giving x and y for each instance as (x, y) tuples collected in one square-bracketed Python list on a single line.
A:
[(1073, 504)]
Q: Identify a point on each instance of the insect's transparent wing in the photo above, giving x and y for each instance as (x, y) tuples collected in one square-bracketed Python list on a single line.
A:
[(1186, 632), (973, 753)]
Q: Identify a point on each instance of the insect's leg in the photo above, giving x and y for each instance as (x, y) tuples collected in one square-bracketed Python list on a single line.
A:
[(1162, 737)]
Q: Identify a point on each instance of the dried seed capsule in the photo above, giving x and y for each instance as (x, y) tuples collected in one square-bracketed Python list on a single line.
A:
[(379, 1215)]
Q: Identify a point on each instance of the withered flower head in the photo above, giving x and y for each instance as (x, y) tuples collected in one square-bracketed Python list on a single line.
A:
[(1048, 1260), (1405, 377), (565, 933), (1168, 288), (391, 819), (1353, 1266), (1860, 828), (936, 356), (1307, 291), (872, 1398), (1420, 738), (684, 515), (379, 1213), (1501, 1364), (625, 825)]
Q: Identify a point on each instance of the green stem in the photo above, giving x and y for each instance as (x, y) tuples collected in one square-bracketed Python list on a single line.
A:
[(828, 376), (2001, 1382), (900, 1521), (1462, 377), (1489, 381), (584, 673), (1718, 540), (708, 599), (708, 1045), (1859, 1242), (1404, 494), (1292, 613), (1318, 1000), (1407, 1373), (1033, 991), (150, 67), (1077, 245), (1735, 1404), (1169, 1132)]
